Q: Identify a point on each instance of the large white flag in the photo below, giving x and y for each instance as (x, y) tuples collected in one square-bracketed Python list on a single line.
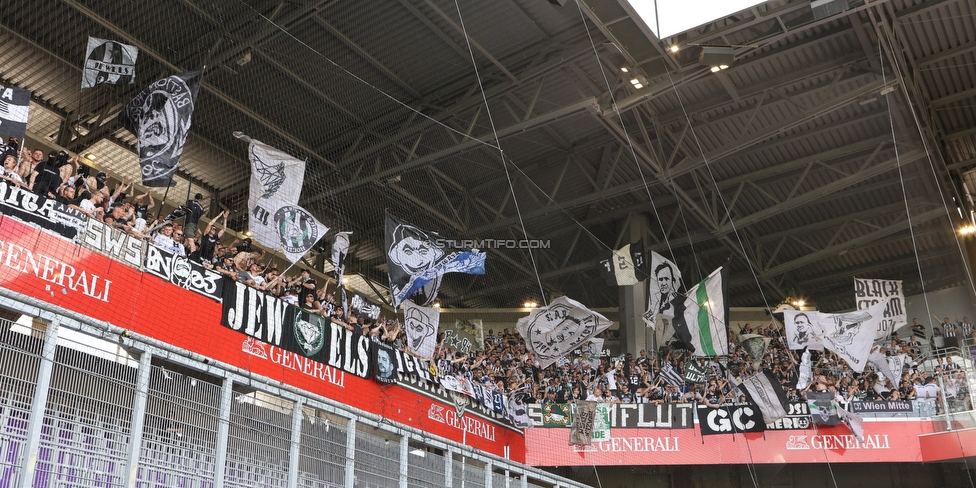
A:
[(852, 420), (275, 219), (701, 320), (851, 334), (880, 362), (421, 324), (806, 371), (554, 331), (800, 327), (663, 285)]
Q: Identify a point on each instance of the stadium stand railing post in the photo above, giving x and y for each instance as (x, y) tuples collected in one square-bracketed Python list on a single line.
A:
[(32, 449), (138, 419)]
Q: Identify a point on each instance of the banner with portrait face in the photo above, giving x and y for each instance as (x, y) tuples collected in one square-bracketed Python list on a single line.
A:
[(800, 327)]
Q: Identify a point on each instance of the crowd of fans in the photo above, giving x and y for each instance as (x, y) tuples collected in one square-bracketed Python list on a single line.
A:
[(505, 363)]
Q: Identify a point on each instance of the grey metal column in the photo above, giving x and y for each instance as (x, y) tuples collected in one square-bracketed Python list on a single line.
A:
[(404, 460), (295, 454), (351, 453), (488, 474), (525, 479), (223, 430), (138, 419), (633, 298), (449, 468), (28, 465)]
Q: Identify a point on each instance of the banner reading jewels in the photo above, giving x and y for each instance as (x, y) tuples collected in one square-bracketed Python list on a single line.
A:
[(881, 407), (272, 321), (45, 212)]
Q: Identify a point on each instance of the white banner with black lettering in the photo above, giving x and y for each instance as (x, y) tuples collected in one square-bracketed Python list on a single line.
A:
[(868, 292)]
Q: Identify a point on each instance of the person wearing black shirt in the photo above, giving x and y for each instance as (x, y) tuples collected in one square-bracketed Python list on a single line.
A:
[(141, 209), (211, 236), (306, 285), (47, 176), (194, 210)]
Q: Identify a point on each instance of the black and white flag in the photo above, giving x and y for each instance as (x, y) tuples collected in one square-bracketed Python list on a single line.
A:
[(767, 393), (823, 407), (340, 247), (625, 266), (754, 346), (671, 376), (800, 329), (417, 260), (108, 62), (554, 331), (367, 309), (159, 117), (662, 289), (384, 363), (14, 104), (851, 334), (515, 409), (421, 324), (275, 219)]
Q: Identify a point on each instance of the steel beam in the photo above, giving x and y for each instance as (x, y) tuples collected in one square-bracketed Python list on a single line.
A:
[(837, 248)]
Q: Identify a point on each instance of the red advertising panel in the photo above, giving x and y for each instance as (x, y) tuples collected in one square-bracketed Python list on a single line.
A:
[(53, 269), (884, 442)]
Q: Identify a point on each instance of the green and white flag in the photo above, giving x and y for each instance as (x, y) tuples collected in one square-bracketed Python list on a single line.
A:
[(701, 319), (601, 422)]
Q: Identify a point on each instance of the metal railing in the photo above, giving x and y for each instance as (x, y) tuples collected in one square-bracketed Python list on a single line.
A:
[(151, 415)]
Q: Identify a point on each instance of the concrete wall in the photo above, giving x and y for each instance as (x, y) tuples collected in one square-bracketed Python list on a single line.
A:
[(954, 303)]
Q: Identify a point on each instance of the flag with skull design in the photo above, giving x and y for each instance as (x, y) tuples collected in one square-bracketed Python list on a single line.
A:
[(159, 117)]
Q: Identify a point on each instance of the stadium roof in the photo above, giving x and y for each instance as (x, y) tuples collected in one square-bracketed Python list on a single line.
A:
[(797, 162)]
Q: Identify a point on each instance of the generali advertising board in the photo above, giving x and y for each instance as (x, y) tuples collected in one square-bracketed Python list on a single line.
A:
[(884, 442), (55, 270)]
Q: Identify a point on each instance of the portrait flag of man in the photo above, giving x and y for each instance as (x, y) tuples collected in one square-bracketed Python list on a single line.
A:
[(417, 260), (421, 325), (663, 285), (159, 117), (701, 319), (851, 334), (108, 62), (554, 331), (800, 326)]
